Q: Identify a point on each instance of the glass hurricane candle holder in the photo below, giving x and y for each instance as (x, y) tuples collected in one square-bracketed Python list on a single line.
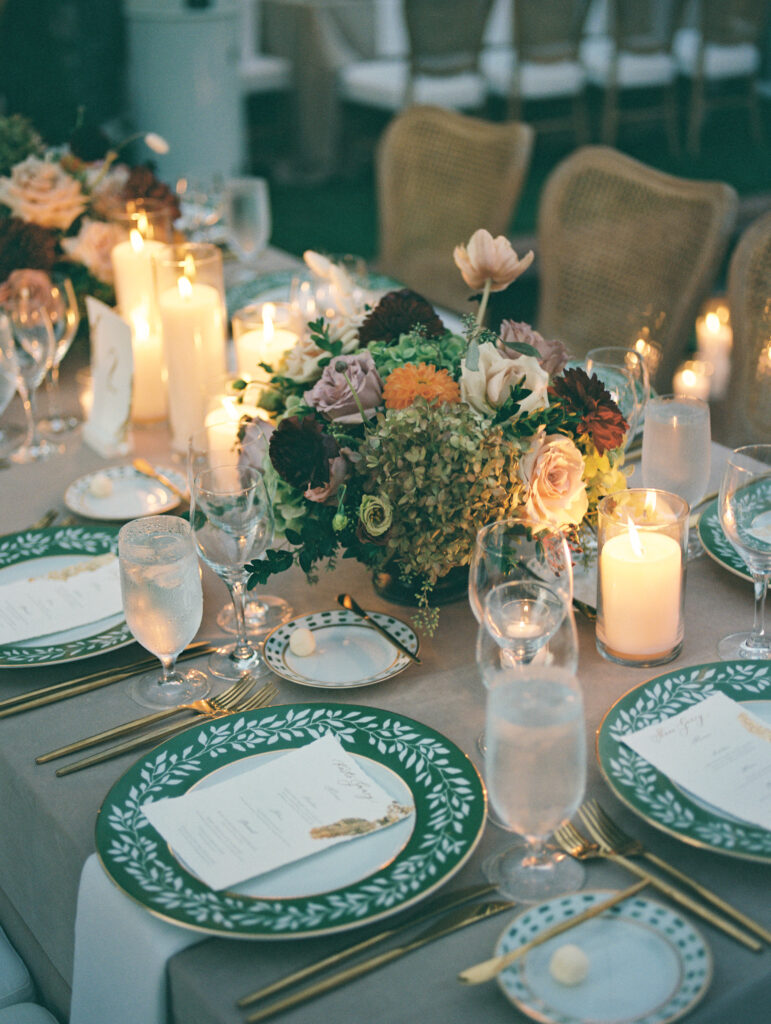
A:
[(642, 553)]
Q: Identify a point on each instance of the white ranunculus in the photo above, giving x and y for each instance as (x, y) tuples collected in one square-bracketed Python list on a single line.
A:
[(487, 388)]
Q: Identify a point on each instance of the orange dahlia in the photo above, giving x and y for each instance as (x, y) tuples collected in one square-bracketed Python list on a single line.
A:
[(406, 383)]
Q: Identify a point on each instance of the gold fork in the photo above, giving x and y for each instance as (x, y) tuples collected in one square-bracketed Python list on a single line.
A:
[(578, 846), (261, 698), (205, 706), (609, 834)]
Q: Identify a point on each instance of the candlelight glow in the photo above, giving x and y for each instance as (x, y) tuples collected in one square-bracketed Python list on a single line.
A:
[(185, 287), (268, 312), (634, 536), (137, 242), (712, 322), (189, 267)]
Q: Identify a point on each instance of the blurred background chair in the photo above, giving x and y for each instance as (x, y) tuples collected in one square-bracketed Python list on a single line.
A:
[(623, 248), (721, 55), (442, 67), (259, 72), (747, 410), (635, 67), (543, 64), (440, 176)]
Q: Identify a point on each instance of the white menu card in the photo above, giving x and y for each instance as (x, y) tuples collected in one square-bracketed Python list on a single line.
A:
[(719, 751), (60, 601), (112, 370), (298, 804)]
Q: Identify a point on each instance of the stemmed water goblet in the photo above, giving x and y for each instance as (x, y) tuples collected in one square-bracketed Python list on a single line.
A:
[(246, 207), (232, 523), (536, 774), (9, 373), (676, 451), (34, 345), (65, 318), (160, 582), (221, 442), (744, 507)]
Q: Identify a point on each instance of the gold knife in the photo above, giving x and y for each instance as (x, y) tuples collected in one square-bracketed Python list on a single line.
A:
[(452, 922), (146, 469), (447, 902), (489, 969), (347, 602)]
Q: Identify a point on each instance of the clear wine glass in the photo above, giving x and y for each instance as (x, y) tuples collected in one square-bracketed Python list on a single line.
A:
[(676, 451), (246, 207), (34, 346), (232, 524), (745, 515), (220, 442), (536, 775), (9, 373), (624, 373), (65, 320), (160, 581)]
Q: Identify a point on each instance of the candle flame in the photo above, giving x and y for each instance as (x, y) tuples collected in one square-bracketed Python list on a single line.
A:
[(142, 224), (185, 287), (137, 242), (650, 503), (712, 322), (268, 312), (634, 537), (189, 266), (141, 328)]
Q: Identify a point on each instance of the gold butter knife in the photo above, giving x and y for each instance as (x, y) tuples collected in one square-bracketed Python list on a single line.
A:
[(452, 922), (347, 602), (146, 469), (489, 969), (447, 902)]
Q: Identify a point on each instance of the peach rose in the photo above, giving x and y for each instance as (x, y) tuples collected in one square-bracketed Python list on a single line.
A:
[(92, 247), (487, 387), (552, 471), (487, 258), (41, 192)]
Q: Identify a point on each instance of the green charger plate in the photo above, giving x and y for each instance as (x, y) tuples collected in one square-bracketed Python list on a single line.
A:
[(343, 888), (33, 553), (649, 792)]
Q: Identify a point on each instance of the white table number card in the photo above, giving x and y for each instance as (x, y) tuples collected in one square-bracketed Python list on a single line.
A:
[(719, 751), (300, 803), (112, 369)]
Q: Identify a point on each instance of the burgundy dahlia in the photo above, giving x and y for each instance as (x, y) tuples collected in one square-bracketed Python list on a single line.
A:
[(300, 452), (398, 313), (587, 400), (23, 244)]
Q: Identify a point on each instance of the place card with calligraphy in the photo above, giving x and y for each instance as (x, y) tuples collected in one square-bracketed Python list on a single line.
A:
[(112, 367)]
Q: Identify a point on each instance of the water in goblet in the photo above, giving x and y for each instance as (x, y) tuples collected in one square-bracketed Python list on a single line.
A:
[(163, 603), (536, 774), (34, 349), (744, 506), (232, 523), (676, 451)]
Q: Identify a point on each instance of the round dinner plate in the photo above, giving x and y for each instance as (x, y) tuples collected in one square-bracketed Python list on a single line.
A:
[(132, 495), (348, 651), (647, 964), (348, 886), (713, 537), (653, 796), (34, 553)]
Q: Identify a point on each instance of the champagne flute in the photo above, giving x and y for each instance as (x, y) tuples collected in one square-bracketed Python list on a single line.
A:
[(34, 347), (676, 451), (745, 515), (160, 581), (65, 320), (221, 441), (246, 205), (536, 775), (232, 523)]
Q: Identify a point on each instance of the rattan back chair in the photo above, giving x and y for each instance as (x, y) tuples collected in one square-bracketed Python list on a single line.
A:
[(440, 176), (623, 248), (748, 405)]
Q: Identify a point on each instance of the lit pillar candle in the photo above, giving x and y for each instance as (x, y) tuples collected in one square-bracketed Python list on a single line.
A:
[(194, 345), (263, 343), (222, 422), (714, 338), (134, 275), (692, 379), (640, 581)]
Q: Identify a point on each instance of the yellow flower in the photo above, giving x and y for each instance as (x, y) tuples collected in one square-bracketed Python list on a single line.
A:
[(406, 383), (489, 259), (602, 473)]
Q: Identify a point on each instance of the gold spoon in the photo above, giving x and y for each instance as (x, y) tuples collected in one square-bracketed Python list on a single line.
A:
[(143, 466)]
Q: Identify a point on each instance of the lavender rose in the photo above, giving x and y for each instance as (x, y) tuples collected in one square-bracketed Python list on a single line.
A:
[(332, 396), (553, 354)]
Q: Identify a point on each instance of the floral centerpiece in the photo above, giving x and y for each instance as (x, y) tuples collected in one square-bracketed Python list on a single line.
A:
[(397, 440), (55, 203)]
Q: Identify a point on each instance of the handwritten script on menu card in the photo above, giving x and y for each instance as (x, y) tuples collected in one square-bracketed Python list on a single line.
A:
[(299, 803), (719, 751), (62, 600)]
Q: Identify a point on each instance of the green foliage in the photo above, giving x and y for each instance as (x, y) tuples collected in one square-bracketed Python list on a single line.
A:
[(444, 353), (18, 140)]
